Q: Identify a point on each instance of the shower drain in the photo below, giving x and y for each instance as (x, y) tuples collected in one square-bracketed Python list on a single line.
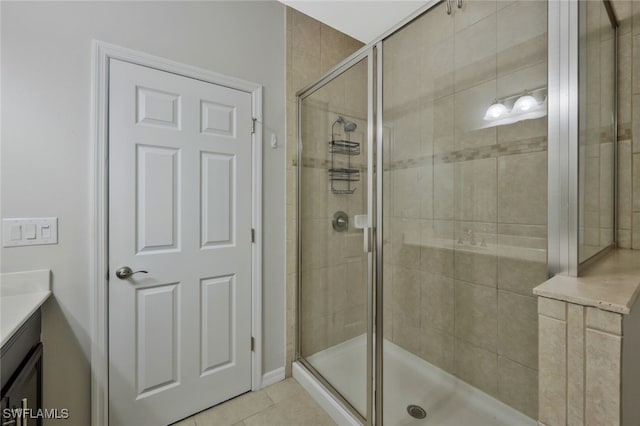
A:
[(416, 411)]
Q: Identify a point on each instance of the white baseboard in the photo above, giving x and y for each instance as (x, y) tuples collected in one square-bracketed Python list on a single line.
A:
[(272, 377)]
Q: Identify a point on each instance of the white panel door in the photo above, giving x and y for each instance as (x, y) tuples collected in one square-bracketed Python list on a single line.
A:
[(180, 209)]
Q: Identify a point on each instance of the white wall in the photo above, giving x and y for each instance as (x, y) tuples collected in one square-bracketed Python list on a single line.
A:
[(46, 83)]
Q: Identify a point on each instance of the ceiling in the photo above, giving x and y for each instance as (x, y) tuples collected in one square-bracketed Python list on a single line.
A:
[(363, 20)]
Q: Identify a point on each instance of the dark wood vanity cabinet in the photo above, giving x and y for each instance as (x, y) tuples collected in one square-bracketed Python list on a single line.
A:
[(21, 376)]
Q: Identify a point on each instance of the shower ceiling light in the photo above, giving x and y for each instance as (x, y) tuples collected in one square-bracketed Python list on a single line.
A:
[(495, 112), (525, 103)]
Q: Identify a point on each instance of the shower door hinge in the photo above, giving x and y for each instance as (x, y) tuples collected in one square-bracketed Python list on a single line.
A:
[(253, 235), (253, 344), (253, 125)]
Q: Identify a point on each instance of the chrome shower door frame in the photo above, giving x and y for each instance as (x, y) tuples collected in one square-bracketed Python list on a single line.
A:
[(562, 135), (365, 53)]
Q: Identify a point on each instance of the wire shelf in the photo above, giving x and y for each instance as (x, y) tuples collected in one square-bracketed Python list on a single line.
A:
[(344, 175), (344, 147), (343, 191)]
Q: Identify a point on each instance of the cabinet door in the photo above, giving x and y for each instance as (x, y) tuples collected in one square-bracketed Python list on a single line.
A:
[(24, 392)]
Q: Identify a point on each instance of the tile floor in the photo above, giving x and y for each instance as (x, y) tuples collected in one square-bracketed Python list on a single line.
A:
[(283, 404)]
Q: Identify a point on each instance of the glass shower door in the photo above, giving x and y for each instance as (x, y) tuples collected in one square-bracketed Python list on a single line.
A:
[(464, 213), (334, 319)]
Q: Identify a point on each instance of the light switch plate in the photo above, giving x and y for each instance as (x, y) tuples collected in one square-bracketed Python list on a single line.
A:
[(33, 231)]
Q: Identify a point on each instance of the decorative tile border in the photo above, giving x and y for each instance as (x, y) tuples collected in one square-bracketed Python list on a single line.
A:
[(524, 146)]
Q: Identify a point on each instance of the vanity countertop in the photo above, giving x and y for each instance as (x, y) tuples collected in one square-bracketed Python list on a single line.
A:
[(21, 294), (611, 284)]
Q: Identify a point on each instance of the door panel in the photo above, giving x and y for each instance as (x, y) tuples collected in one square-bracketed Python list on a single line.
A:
[(157, 325), (158, 198), (218, 204), (179, 208)]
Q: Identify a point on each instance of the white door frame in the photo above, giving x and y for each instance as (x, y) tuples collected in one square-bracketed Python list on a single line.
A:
[(102, 54)]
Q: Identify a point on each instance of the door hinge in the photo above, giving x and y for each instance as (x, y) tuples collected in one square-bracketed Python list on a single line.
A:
[(253, 344), (253, 235), (253, 125)]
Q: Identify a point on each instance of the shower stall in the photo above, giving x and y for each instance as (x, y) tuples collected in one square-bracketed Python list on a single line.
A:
[(427, 208)]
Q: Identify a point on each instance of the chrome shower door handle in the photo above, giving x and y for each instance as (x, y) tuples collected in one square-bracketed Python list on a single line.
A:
[(125, 272)]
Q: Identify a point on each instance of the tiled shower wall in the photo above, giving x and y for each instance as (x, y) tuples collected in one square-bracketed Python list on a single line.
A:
[(466, 205), (312, 49), (628, 123), (333, 268)]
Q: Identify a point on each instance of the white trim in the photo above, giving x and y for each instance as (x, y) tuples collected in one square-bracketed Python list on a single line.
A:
[(273, 377), (324, 399), (102, 53)]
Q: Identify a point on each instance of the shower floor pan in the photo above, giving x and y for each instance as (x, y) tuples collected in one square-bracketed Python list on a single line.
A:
[(408, 380)]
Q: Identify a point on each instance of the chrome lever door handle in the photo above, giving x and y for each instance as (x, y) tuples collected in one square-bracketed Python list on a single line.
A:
[(125, 272)]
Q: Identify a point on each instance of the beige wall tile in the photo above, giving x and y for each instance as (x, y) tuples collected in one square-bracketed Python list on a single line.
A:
[(518, 328), (520, 275), (635, 107), (406, 295), (518, 386), (437, 246), (472, 12), (636, 171), (575, 367), (635, 237), (476, 190), (527, 52), (521, 22), (552, 371), (602, 387), (625, 68), (305, 33), (635, 88), (522, 188), (437, 302), (405, 247), (437, 348), (475, 53), (625, 184), (314, 244), (470, 106), (476, 315), (624, 238), (552, 308), (443, 195), (407, 192), (406, 332), (608, 322), (636, 17), (475, 268), (477, 367), (528, 75), (443, 133)]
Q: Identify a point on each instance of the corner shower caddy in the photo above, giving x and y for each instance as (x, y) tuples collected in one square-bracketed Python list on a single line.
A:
[(343, 174), (343, 147)]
